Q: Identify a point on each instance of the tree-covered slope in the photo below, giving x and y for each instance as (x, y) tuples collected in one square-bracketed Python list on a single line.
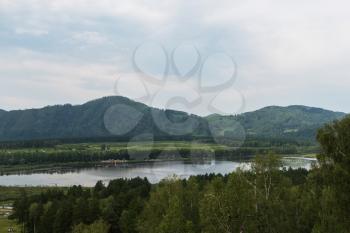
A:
[(120, 116), (294, 122), (105, 117)]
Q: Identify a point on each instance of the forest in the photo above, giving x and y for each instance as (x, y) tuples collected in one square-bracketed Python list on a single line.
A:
[(265, 198)]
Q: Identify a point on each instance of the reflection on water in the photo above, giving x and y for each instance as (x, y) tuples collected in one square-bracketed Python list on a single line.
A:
[(154, 172)]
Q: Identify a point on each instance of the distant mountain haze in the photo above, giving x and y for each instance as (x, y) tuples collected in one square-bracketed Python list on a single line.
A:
[(120, 116)]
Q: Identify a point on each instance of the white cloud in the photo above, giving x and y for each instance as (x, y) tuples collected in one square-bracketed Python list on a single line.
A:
[(33, 32), (288, 52), (152, 13), (90, 37), (36, 80), (290, 35)]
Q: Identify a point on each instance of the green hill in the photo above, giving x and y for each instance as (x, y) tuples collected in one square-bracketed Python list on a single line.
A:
[(105, 117), (292, 122), (120, 116)]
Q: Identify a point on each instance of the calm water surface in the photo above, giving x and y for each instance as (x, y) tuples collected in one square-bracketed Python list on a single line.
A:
[(155, 172)]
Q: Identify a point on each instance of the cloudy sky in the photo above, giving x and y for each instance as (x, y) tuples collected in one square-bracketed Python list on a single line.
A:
[(228, 56)]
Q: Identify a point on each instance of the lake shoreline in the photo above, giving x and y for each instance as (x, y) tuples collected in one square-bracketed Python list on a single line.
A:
[(55, 167), (71, 166), (153, 170)]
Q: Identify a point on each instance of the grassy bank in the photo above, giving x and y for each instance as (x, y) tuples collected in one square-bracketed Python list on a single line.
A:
[(5, 224)]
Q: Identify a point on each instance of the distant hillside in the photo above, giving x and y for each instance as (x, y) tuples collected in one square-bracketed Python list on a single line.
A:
[(120, 116), (2, 112), (293, 122), (97, 118)]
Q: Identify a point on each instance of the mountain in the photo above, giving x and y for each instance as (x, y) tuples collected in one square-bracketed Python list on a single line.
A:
[(122, 117), (293, 122), (105, 117)]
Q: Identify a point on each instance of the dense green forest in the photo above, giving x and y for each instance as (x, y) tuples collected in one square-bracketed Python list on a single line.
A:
[(120, 117), (264, 199)]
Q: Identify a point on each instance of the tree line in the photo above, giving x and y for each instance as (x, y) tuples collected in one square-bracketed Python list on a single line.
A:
[(23, 157)]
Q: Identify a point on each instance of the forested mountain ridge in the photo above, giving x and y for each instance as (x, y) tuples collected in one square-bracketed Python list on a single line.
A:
[(294, 122), (89, 120), (2, 112)]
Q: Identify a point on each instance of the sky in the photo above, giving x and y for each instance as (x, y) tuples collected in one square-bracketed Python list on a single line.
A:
[(199, 56)]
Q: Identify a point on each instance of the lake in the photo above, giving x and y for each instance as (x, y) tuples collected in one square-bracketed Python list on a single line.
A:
[(154, 171)]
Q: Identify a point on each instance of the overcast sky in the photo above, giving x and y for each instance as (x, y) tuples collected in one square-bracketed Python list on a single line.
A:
[(72, 51)]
